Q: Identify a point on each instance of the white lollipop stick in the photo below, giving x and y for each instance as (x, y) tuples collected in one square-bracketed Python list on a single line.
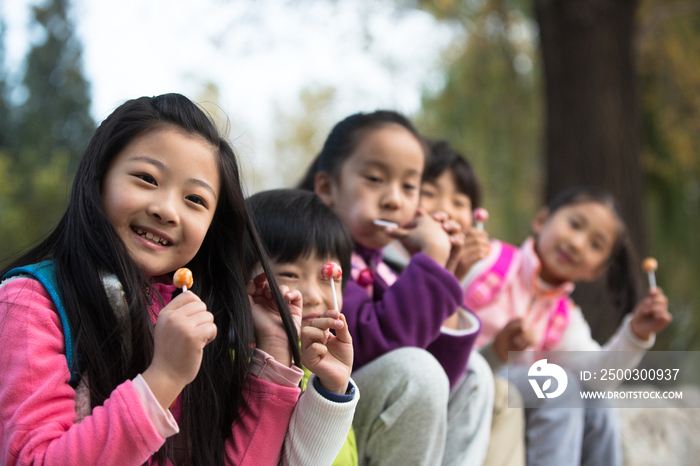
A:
[(649, 266), (652, 279), (332, 271), (384, 223), (335, 297)]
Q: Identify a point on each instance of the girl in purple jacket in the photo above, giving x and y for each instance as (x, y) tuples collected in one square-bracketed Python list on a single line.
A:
[(369, 172)]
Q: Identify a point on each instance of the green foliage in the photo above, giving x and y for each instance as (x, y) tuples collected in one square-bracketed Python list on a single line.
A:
[(490, 109), (56, 112), (42, 138), (669, 71), (32, 200), (5, 121)]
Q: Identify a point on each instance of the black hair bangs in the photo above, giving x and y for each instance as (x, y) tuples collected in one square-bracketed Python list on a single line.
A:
[(296, 224), (443, 157)]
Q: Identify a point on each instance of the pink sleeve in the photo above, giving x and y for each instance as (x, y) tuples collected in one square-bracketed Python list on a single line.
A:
[(259, 435), (37, 405)]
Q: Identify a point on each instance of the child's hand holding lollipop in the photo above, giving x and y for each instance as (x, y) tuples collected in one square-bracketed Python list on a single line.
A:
[(270, 335), (329, 356), (651, 314), (475, 246), (183, 329), (424, 234)]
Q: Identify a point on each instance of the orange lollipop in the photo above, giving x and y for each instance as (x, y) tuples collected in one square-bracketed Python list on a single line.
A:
[(183, 279), (649, 266)]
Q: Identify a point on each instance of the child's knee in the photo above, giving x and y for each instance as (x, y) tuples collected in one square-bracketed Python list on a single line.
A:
[(418, 371)]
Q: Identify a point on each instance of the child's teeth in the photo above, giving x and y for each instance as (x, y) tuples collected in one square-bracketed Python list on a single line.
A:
[(151, 236)]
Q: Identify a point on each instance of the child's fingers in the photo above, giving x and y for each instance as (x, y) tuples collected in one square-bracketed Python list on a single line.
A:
[(458, 239), (256, 286), (191, 308), (311, 334), (183, 299), (207, 332), (343, 333), (326, 323), (293, 297), (440, 216), (397, 233), (451, 227), (313, 353)]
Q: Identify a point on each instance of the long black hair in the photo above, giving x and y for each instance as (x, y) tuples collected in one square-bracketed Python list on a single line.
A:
[(296, 224), (84, 245), (623, 280), (344, 138)]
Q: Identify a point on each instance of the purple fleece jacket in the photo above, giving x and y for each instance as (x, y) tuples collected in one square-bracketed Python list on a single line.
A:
[(408, 313)]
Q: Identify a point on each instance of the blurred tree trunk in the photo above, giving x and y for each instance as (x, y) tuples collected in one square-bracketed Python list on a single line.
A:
[(592, 127)]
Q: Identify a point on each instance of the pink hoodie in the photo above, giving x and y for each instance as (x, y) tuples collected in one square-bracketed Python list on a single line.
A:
[(38, 421)]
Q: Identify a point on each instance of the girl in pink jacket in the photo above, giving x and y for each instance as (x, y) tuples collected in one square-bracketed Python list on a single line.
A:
[(521, 296), (88, 379)]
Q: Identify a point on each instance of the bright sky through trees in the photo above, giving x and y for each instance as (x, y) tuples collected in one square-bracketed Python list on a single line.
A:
[(257, 55)]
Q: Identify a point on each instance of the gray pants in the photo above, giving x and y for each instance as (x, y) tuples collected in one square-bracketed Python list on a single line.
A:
[(585, 436), (408, 416)]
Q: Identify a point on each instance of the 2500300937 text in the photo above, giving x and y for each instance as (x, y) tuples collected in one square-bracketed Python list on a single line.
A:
[(637, 374)]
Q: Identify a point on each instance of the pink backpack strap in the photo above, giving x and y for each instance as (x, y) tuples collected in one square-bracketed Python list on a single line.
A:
[(482, 290), (558, 322)]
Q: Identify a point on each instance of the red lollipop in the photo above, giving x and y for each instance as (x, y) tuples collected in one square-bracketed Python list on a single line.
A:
[(481, 216), (332, 271)]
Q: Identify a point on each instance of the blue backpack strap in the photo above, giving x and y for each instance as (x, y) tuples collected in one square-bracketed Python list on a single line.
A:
[(45, 274)]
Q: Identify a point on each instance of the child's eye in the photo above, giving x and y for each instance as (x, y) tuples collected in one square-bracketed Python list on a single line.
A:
[(147, 178), (409, 187), (428, 194), (291, 275), (574, 223), (196, 200), (373, 179)]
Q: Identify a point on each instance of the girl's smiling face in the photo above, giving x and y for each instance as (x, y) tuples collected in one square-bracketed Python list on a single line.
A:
[(160, 194), (442, 195), (575, 242), (304, 274), (380, 180)]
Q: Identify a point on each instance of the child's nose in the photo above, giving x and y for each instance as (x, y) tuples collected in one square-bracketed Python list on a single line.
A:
[(447, 207), (164, 210), (578, 240), (392, 198), (311, 296)]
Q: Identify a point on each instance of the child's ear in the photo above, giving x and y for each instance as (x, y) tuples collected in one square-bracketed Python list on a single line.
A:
[(323, 187), (539, 220)]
